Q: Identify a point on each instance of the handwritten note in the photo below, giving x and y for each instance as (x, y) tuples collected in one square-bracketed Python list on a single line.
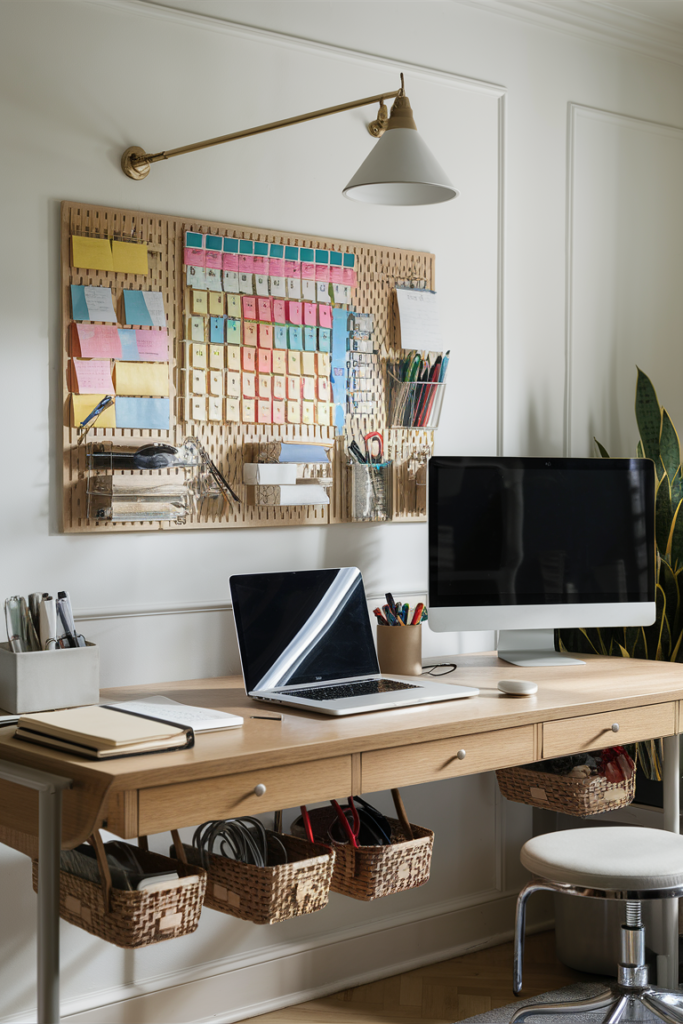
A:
[(152, 345), (130, 258), (144, 309), (91, 253), (143, 414), (90, 303), (96, 341), (91, 377), (418, 312)]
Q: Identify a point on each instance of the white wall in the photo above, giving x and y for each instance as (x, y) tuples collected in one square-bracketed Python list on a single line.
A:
[(79, 82)]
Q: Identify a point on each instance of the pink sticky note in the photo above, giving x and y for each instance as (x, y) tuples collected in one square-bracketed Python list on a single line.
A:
[(246, 264), (213, 259), (249, 307), (349, 277), (276, 268), (310, 314), (278, 412), (248, 359), (96, 341), (265, 335), (230, 261), (308, 271), (92, 377), (261, 265), (294, 312), (279, 311), (194, 257), (264, 309), (264, 360), (152, 345), (292, 268), (336, 275), (322, 272), (325, 314)]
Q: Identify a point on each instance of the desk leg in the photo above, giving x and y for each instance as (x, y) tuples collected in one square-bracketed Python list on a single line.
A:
[(49, 844), (672, 818)]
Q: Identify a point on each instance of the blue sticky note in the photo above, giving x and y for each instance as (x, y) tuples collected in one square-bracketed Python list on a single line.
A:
[(143, 413), (277, 251), (309, 339), (230, 245), (280, 336), (216, 330), (246, 247), (295, 337), (306, 255), (79, 307), (335, 258), (260, 248), (129, 346), (136, 311), (214, 242), (292, 452), (193, 240), (322, 256), (349, 259), (324, 339), (291, 252)]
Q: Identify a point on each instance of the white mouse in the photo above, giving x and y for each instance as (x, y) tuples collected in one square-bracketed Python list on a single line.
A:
[(517, 687)]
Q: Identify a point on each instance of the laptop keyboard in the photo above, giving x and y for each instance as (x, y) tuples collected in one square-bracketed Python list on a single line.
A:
[(358, 689)]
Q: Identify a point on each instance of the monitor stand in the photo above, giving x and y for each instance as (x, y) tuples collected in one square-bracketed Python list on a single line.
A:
[(532, 648)]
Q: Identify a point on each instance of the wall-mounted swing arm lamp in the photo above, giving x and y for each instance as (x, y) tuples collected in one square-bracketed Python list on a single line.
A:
[(400, 170)]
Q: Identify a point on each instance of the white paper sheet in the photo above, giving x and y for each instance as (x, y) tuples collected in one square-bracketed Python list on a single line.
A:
[(420, 324)]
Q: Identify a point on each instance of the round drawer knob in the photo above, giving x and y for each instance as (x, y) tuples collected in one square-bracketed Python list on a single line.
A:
[(259, 790), (615, 727), (461, 755)]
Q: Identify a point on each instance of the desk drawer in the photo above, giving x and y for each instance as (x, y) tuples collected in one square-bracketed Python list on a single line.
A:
[(438, 759), (590, 732), (191, 803)]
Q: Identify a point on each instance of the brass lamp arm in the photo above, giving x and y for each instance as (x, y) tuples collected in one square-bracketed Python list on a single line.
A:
[(137, 164)]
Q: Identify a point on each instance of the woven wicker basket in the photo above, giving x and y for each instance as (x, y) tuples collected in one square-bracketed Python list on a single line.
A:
[(132, 919), (271, 894), (581, 797), (369, 872)]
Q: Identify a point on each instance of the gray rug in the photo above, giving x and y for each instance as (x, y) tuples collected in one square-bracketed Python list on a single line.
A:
[(581, 990)]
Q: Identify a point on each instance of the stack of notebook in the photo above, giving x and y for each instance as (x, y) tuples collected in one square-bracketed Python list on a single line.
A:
[(100, 732)]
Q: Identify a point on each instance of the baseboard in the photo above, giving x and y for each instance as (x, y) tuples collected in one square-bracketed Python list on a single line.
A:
[(246, 991)]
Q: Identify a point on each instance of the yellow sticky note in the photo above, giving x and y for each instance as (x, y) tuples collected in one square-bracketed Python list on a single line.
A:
[(130, 258), (83, 405), (308, 363), (234, 306), (308, 412), (199, 303), (217, 357), (216, 303), (141, 379), (91, 253)]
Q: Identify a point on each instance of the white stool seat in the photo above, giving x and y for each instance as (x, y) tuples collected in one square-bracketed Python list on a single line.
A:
[(607, 858)]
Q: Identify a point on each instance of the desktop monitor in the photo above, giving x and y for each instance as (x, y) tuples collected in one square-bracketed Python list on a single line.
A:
[(527, 546)]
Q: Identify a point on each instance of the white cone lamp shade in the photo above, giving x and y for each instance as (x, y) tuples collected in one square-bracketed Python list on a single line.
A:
[(400, 170)]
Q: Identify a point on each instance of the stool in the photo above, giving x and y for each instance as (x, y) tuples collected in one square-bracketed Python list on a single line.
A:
[(616, 863)]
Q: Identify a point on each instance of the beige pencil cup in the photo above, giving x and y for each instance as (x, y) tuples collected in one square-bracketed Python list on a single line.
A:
[(399, 649)]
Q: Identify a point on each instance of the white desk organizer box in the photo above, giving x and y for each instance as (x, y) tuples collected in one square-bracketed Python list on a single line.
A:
[(46, 680)]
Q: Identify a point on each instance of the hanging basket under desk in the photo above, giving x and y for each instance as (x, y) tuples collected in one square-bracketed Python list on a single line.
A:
[(132, 918), (267, 895), (370, 872), (579, 797)]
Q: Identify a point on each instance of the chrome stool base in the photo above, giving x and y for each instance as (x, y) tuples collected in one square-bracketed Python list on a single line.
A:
[(631, 994)]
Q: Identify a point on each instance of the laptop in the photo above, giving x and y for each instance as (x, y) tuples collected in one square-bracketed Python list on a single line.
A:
[(305, 639)]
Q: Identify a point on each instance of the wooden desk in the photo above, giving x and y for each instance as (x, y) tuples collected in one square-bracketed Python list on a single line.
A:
[(308, 757)]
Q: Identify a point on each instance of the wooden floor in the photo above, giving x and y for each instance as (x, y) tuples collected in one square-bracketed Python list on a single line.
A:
[(440, 994)]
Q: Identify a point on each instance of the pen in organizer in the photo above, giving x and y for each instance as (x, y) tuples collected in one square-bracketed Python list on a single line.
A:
[(397, 613), (48, 621), (65, 614)]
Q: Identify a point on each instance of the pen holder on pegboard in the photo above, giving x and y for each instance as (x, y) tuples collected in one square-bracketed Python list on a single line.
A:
[(370, 491), (414, 405)]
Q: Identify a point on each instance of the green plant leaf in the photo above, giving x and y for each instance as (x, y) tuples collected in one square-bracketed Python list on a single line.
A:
[(603, 451), (669, 584), (676, 487), (676, 554), (661, 626), (663, 515), (640, 646), (649, 419), (639, 450), (624, 652), (677, 648), (669, 446)]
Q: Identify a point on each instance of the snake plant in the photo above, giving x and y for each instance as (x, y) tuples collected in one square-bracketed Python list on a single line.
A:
[(661, 641)]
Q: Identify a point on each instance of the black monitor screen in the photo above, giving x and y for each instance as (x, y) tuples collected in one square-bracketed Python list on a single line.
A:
[(518, 531), (302, 627)]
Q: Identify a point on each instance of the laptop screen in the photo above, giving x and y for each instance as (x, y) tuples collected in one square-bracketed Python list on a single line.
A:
[(302, 627)]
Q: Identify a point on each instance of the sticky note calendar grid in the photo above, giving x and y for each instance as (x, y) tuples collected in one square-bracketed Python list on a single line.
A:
[(231, 441)]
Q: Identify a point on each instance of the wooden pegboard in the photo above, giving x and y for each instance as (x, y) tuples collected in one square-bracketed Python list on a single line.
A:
[(379, 269)]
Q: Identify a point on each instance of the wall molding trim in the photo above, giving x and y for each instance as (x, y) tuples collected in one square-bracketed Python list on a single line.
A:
[(574, 112), (595, 21), (244, 986)]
